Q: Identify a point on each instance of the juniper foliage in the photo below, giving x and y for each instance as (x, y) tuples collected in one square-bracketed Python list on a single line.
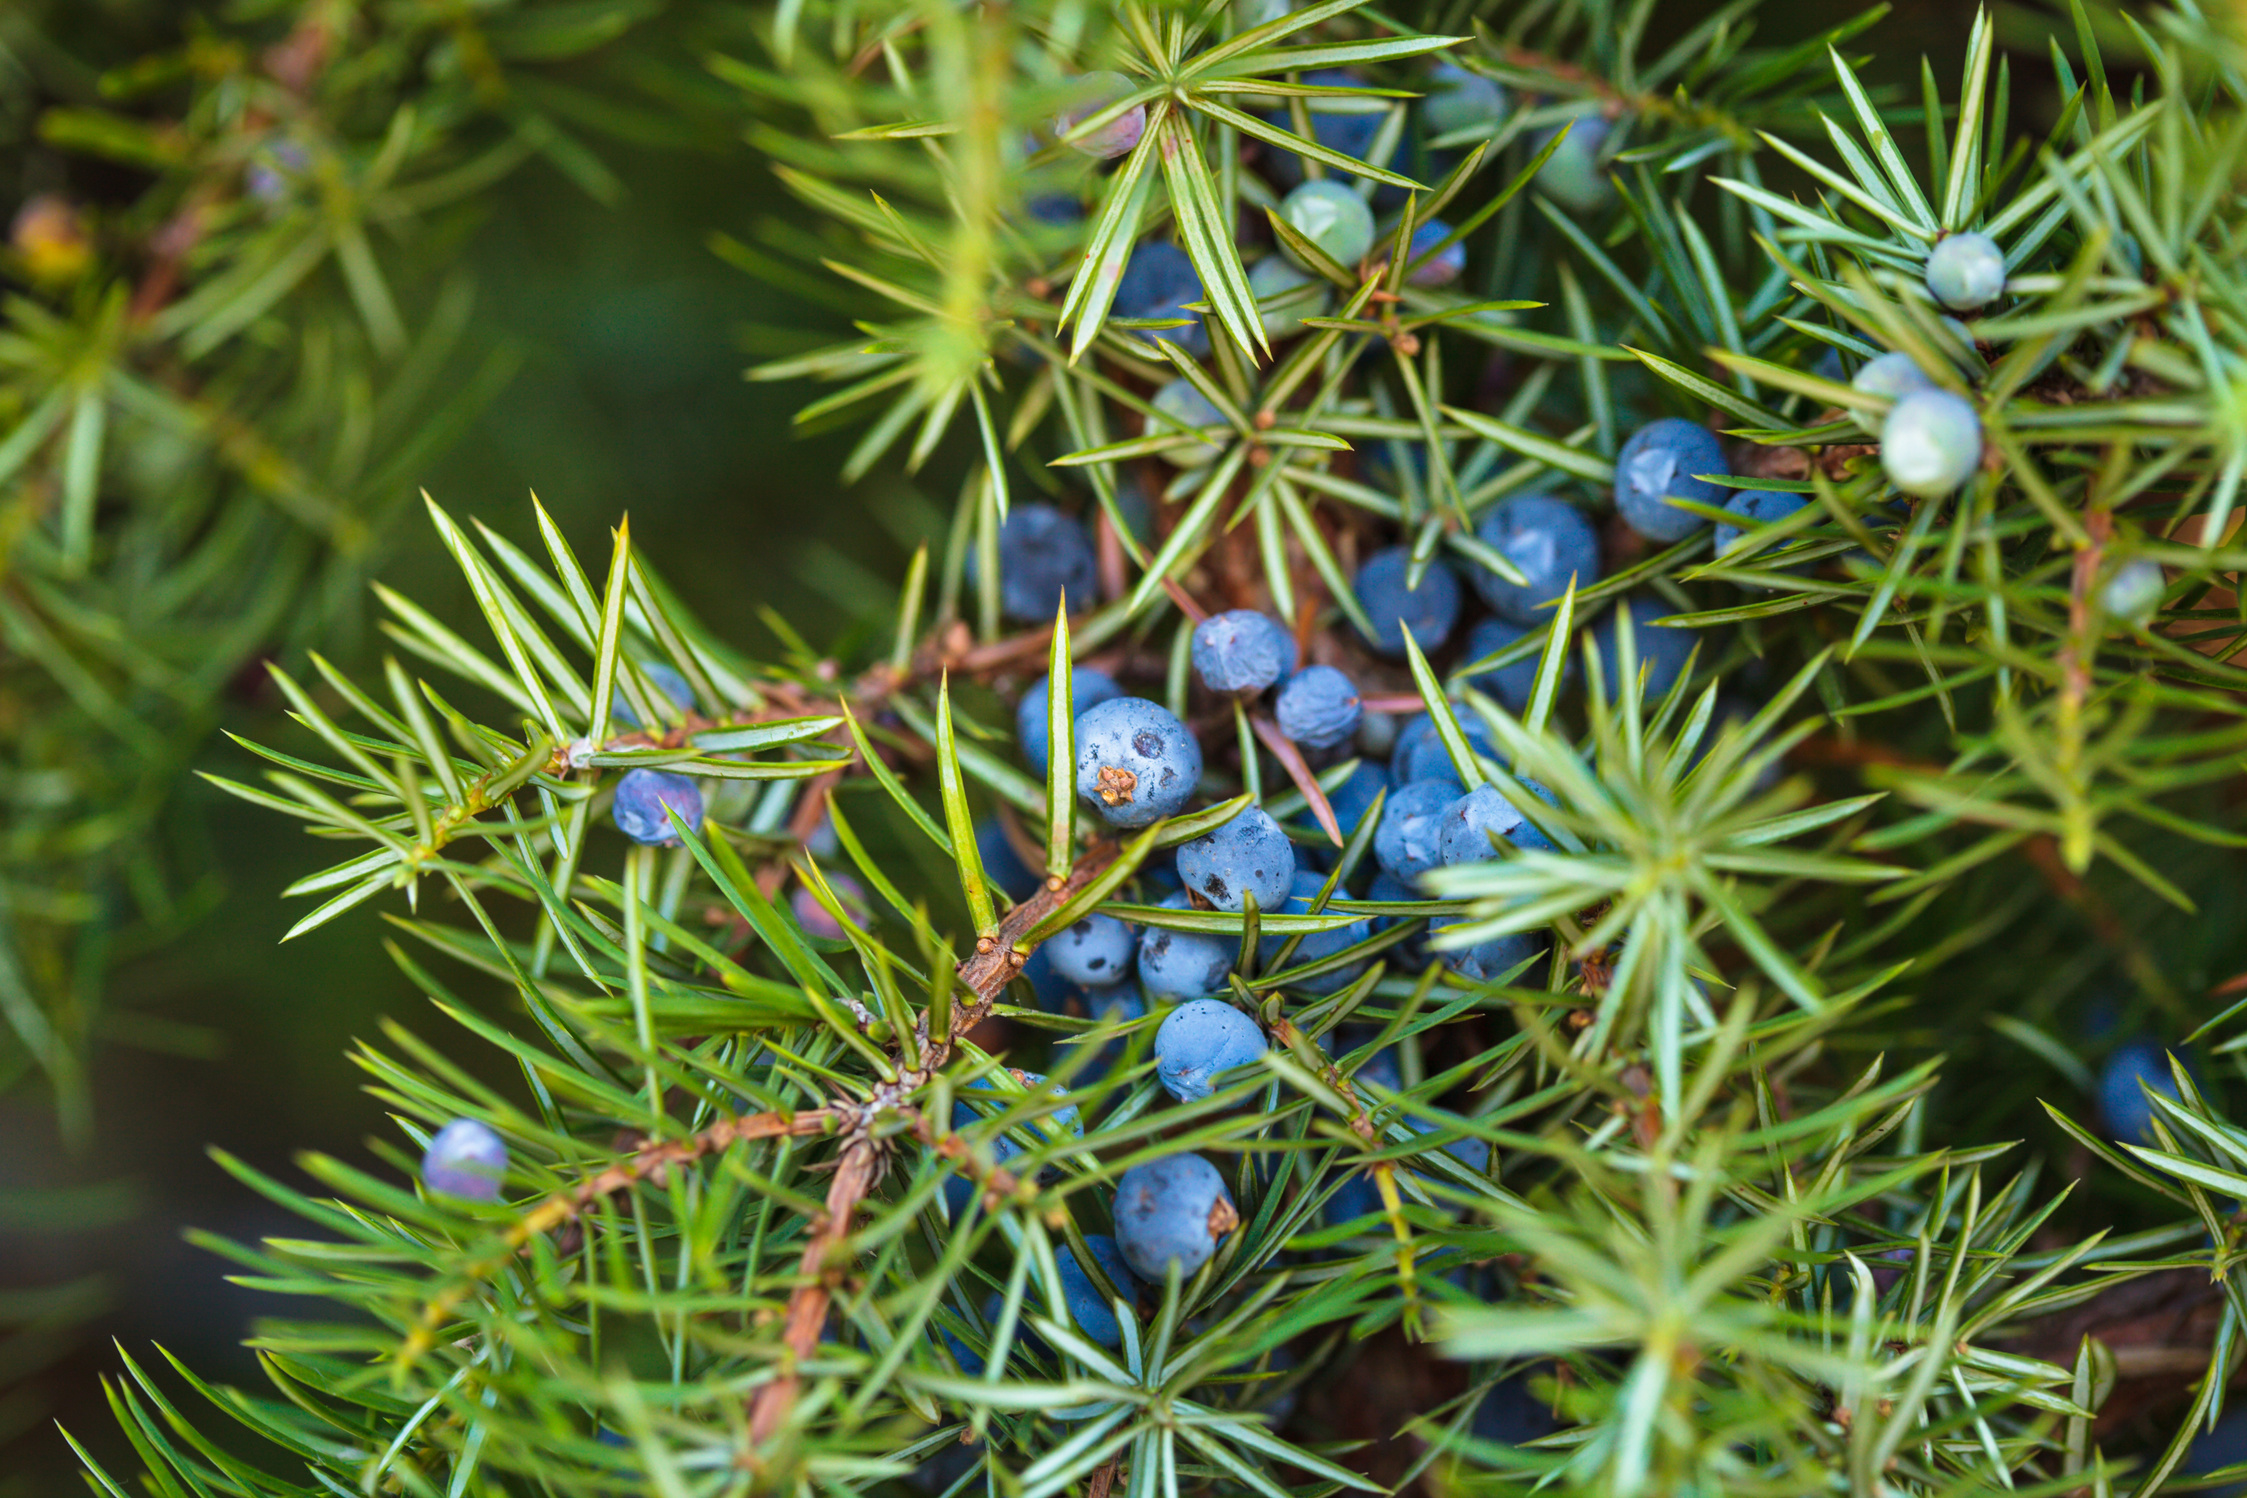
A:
[(1724, 1241)]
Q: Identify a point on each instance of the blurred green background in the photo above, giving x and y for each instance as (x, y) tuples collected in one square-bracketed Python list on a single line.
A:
[(633, 336)]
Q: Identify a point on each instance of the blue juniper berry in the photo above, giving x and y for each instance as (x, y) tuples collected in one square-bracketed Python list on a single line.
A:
[(1429, 610), (1183, 964), (1242, 650), (641, 799), (1157, 282), (1247, 857), (1087, 689), (1550, 540), (1319, 707), (1316, 946), (1043, 555), (1662, 461), (1172, 1210), (665, 678), (1199, 1040), (1094, 951), (1135, 761), (1409, 841)]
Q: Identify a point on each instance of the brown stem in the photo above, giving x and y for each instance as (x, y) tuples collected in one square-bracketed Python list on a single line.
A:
[(997, 958), (807, 1306)]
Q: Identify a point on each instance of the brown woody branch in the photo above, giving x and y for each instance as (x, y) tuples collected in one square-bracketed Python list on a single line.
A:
[(997, 958)]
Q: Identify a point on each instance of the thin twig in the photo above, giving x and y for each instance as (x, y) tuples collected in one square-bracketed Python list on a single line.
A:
[(651, 1162)]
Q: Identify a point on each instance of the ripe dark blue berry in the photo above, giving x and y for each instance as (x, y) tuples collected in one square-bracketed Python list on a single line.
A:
[(1174, 1210), (1199, 1040), (1761, 507), (1439, 269), (1002, 865), (1966, 271), (1158, 281), (665, 678), (1316, 946), (1468, 825), (1135, 762), (1931, 443), (1097, 950), (1663, 461), (1429, 611), (1411, 954), (1550, 540), (1319, 707), (642, 796), (1005, 1147), (1248, 857), (1513, 682), (1242, 650), (1087, 689), (1408, 842), (1091, 1310), (1353, 798), (465, 1159), (1183, 964), (1497, 955), (1350, 126), (1420, 753), (2123, 1105), (1662, 648), (1043, 554)]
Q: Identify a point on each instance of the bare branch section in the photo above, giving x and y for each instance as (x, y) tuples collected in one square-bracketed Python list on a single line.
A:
[(995, 962)]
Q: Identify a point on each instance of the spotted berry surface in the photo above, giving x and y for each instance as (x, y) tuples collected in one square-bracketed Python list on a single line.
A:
[(1172, 1210), (1094, 951), (1408, 842), (1198, 1041), (1246, 858), (1183, 964), (1136, 763)]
